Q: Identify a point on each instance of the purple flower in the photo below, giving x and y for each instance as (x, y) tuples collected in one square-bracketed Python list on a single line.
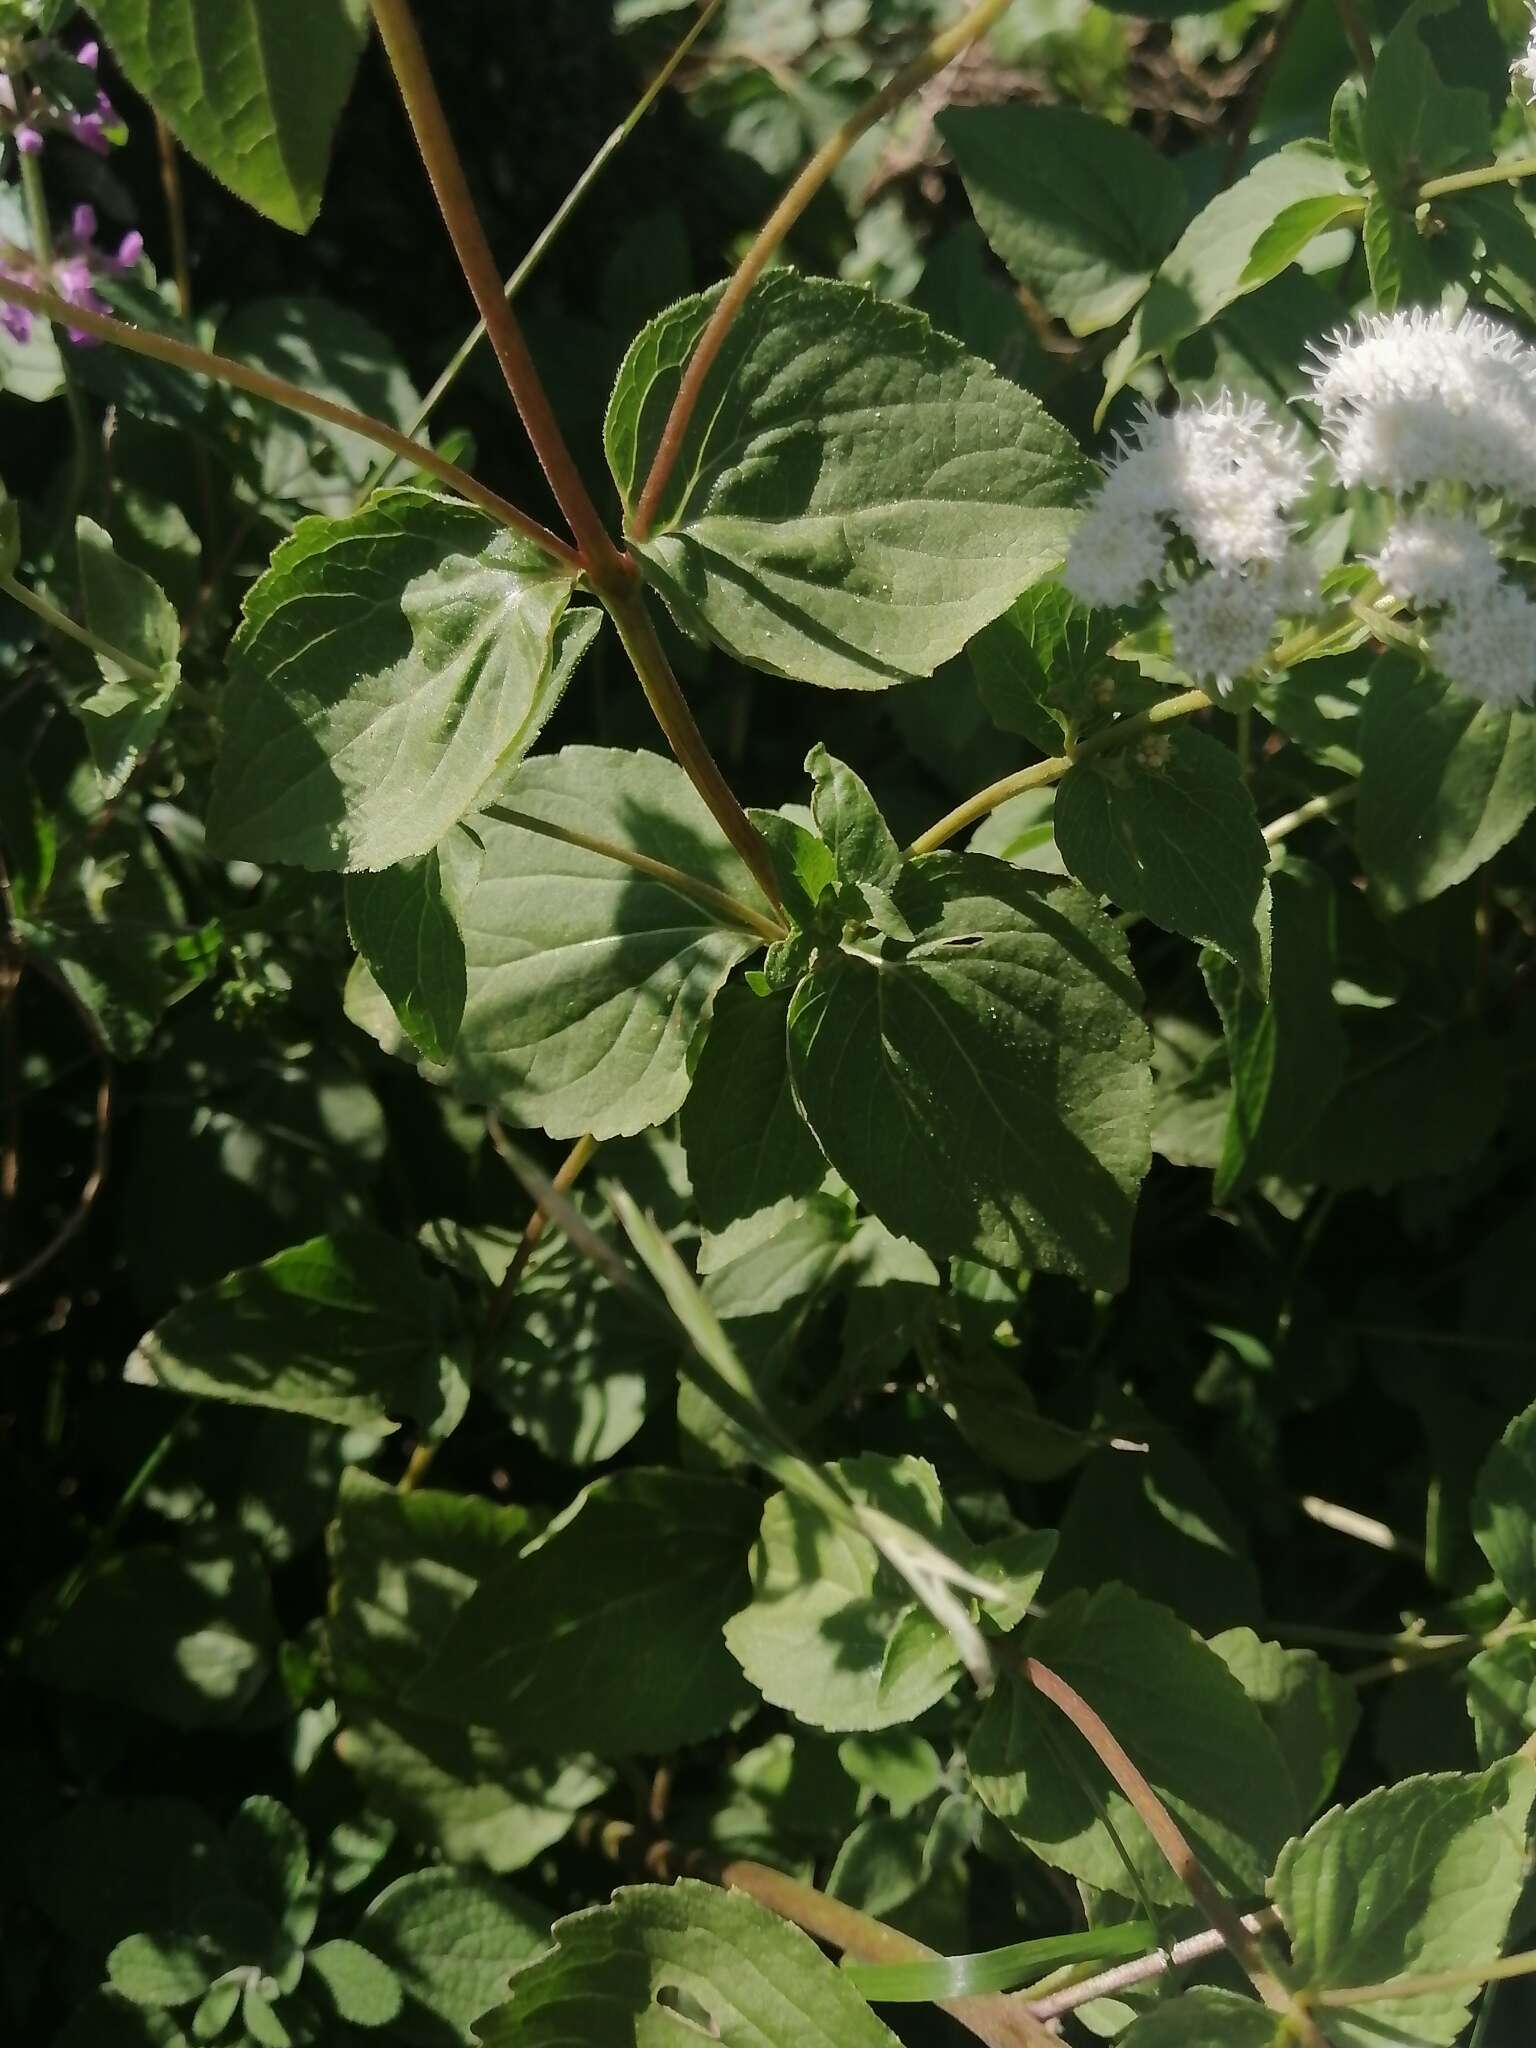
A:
[(78, 267), (27, 114)]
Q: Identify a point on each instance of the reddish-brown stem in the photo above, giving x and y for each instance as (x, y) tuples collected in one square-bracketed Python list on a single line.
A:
[(164, 348), (572, 1167), (434, 139), (1359, 37), (1245, 1947), (941, 51)]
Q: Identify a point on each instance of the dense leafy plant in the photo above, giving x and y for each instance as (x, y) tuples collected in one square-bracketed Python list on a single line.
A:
[(900, 1321)]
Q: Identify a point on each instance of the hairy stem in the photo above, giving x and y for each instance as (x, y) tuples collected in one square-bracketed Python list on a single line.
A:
[(1506, 173), (1107, 1983), (631, 614), (1001, 2022), (434, 139), (716, 901), (1042, 773), (181, 355), (61, 622), (549, 234), (941, 51)]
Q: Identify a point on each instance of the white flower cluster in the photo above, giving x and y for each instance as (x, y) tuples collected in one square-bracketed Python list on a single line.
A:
[(1525, 66), (1200, 501), (1443, 411), (1485, 641), (1410, 399)]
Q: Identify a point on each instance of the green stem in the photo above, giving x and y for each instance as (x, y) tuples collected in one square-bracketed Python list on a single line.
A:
[(637, 629), (1505, 173), (1325, 806), (60, 622), (1428, 1985), (550, 233), (943, 50), (36, 200), (1042, 773), (716, 901), (181, 355)]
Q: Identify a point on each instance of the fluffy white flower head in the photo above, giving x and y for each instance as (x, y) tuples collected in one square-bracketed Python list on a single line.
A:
[(1223, 475), (1437, 558), (1224, 621), (1525, 66), (1415, 398), (1488, 648)]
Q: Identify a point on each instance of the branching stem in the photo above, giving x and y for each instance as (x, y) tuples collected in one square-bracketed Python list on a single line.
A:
[(181, 355), (941, 51), (434, 139)]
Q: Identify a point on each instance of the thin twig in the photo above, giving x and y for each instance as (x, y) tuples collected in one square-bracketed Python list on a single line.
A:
[(1359, 37), (1143, 1969), (434, 139), (571, 1169), (60, 622), (181, 355), (1325, 806), (941, 51), (175, 214)]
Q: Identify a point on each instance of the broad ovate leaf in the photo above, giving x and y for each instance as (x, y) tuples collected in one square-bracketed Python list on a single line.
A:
[(392, 666), (1415, 1878), (253, 88), (614, 1975), (985, 1089), (855, 495), (589, 985)]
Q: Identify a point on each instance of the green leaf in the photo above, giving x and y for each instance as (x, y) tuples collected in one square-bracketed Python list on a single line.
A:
[(1311, 1712), (403, 1566), (186, 1634), (747, 1143), (1213, 261), (834, 1633), (402, 926), (290, 458), (1293, 230), (1413, 126), (1501, 1697), (897, 1765), (998, 1969), (159, 1969), (1414, 1878), (1205, 2018), (614, 1976), (253, 88), (1081, 210), (1175, 838), (269, 1853), (451, 1938), (128, 610), (360, 1987), (849, 820), (1419, 1097), (393, 665), (985, 1090), (1286, 1054), (1445, 782), (605, 1634), (855, 496), (590, 986), (345, 1328), (1044, 668), (1187, 1725), (1504, 1511)]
